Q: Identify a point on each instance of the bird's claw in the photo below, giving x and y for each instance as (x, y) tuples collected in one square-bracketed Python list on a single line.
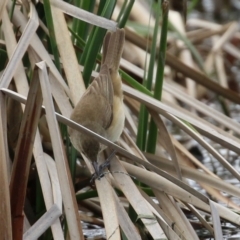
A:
[(99, 174), (99, 169)]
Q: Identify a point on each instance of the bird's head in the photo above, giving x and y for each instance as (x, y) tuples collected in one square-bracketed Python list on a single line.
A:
[(89, 147)]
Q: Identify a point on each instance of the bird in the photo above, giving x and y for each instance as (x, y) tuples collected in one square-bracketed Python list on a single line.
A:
[(101, 108)]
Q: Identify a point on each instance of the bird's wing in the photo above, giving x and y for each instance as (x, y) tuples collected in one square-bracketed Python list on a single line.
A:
[(100, 95)]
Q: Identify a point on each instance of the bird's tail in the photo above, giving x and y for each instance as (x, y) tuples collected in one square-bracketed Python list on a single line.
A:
[(112, 49)]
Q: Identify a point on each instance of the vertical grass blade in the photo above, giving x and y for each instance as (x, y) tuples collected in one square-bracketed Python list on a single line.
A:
[(81, 28), (49, 20), (152, 137), (143, 115), (124, 15)]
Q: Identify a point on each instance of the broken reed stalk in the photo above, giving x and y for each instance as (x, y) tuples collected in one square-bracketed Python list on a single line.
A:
[(23, 156)]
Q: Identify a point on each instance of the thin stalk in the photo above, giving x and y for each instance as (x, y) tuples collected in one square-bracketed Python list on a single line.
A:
[(122, 10), (71, 152), (53, 42), (143, 115), (124, 17), (136, 85), (75, 22), (80, 41), (152, 137)]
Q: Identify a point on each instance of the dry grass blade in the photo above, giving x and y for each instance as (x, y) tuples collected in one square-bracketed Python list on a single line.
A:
[(85, 15), (43, 223), (167, 141), (202, 220), (170, 208), (131, 192), (57, 196), (68, 56), (20, 78), (164, 220), (108, 207), (69, 201), (216, 221), (5, 211), (23, 155), (126, 224), (21, 48), (60, 96)]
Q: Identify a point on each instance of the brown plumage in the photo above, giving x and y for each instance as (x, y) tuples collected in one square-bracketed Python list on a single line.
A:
[(101, 107)]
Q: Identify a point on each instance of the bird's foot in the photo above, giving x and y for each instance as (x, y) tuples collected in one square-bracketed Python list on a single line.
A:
[(99, 169), (99, 173)]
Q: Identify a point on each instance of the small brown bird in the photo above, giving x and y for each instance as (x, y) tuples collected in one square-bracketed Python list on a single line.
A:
[(101, 107)]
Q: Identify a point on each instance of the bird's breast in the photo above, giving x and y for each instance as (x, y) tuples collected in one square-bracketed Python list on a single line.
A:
[(117, 125)]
